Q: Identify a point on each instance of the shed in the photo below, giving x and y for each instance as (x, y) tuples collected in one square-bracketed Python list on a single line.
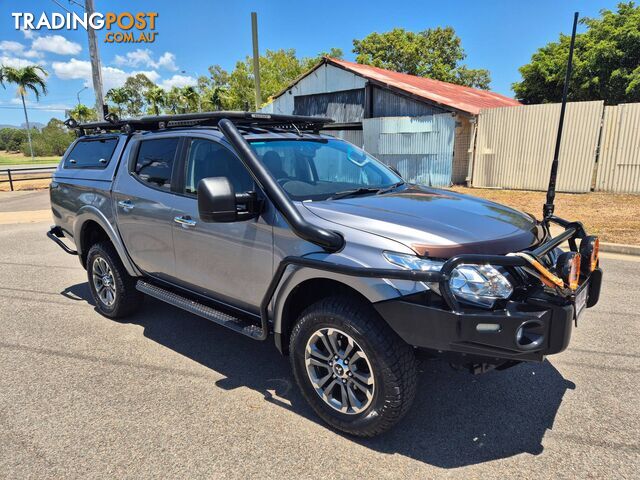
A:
[(421, 126)]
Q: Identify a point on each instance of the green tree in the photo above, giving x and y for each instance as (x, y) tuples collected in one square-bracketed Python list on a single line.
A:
[(83, 113), (434, 53), (134, 90), (11, 139), (119, 96), (190, 99), (156, 97), (27, 78), (606, 62), (174, 101)]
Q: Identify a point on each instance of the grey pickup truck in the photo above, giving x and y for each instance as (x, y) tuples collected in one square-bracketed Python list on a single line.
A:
[(264, 225)]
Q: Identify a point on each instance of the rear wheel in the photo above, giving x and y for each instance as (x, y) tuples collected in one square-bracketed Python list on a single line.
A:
[(355, 372), (113, 289)]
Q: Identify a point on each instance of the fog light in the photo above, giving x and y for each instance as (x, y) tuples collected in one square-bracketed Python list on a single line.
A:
[(589, 251), (568, 269)]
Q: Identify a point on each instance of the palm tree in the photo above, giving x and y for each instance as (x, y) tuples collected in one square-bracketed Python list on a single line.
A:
[(174, 100), (191, 98), (119, 96), (26, 78), (156, 97), (83, 114)]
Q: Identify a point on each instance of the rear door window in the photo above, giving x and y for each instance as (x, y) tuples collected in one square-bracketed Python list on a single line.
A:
[(154, 162), (93, 153)]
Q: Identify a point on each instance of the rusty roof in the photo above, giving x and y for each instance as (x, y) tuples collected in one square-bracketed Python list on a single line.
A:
[(457, 97)]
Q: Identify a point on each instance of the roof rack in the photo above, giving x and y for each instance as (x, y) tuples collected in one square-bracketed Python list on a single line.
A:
[(266, 121)]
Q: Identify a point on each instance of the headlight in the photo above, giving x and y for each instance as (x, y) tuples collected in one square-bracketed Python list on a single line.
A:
[(478, 284), (411, 262)]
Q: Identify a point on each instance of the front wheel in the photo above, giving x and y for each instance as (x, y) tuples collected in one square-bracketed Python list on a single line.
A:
[(355, 372)]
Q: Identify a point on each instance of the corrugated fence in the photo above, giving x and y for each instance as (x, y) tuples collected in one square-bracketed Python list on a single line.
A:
[(421, 148), (619, 164), (514, 146)]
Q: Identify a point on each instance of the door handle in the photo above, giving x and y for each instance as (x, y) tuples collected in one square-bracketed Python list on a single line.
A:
[(185, 221), (126, 205)]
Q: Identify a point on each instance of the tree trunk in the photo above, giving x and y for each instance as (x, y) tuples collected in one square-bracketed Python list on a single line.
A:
[(26, 117)]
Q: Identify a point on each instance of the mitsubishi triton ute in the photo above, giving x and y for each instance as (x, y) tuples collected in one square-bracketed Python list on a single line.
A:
[(264, 225)]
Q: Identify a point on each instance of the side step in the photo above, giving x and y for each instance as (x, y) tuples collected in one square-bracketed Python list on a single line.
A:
[(236, 324)]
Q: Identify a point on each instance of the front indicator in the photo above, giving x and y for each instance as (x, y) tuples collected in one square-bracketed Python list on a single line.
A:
[(568, 267)]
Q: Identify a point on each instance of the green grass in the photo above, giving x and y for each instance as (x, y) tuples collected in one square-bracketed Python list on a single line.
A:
[(21, 160)]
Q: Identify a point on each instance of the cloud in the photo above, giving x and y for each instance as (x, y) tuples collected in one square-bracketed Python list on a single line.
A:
[(178, 81), (168, 61), (39, 105), (15, 62), (56, 44), (144, 57), (28, 34), (12, 47), (112, 77), (18, 49)]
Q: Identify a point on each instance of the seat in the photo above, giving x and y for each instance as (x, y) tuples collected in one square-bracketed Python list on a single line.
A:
[(273, 162)]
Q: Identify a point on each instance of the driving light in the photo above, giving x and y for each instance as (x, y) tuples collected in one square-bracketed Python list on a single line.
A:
[(479, 284), (589, 251), (568, 268)]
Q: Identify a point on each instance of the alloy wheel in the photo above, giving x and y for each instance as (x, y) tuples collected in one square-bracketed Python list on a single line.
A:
[(339, 371), (103, 281)]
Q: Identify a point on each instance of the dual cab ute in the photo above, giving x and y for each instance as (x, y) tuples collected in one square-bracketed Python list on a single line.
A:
[(265, 226)]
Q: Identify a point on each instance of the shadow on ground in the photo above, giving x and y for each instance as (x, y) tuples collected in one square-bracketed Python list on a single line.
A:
[(457, 419)]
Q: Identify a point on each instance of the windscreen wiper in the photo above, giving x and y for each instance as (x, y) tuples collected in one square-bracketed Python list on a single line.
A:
[(390, 188), (355, 191)]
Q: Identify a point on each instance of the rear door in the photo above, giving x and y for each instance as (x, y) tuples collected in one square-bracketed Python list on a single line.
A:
[(232, 262), (144, 194)]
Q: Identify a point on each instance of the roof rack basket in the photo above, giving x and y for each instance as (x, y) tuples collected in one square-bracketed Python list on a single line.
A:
[(250, 120)]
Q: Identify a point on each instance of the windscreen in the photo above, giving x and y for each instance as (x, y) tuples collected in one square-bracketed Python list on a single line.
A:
[(320, 169)]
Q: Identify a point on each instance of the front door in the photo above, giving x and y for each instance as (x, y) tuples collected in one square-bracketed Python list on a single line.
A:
[(232, 262), (144, 203)]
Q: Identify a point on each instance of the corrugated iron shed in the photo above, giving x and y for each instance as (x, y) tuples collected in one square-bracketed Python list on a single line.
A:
[(465, 99)]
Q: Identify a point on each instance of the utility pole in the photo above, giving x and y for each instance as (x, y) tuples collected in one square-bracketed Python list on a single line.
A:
[(96, 68), (256, 58)]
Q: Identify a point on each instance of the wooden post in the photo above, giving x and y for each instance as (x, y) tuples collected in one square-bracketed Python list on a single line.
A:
[(10, 179)]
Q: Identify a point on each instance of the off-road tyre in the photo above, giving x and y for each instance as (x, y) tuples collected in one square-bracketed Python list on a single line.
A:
[(127, 299), (392, 363)]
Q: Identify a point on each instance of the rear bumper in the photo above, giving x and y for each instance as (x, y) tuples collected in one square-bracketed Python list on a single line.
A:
[(544, 324)]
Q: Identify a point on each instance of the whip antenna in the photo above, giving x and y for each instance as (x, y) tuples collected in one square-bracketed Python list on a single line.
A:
[(547, 210)]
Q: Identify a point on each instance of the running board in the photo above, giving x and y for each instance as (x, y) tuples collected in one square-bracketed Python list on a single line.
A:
[(236, 324)]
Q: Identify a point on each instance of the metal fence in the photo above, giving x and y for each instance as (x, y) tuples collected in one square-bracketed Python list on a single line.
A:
[(514, 146), (14, 175), (619, 163)]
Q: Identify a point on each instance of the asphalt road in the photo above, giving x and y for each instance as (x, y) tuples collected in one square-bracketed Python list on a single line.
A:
[(167, 394)]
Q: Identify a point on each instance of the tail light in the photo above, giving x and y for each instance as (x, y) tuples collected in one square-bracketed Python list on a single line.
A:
[(568, 268), (589, 251)]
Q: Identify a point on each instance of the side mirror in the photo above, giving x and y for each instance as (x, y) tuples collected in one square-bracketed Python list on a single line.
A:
[(218, 201)]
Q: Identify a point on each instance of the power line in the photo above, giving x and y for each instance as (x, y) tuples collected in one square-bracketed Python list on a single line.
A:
[(43, 107)]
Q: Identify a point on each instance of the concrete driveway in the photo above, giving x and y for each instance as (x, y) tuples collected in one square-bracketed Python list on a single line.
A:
[(167, 394)]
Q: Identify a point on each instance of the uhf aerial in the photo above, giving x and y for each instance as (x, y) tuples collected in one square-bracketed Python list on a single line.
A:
[(547, 210)]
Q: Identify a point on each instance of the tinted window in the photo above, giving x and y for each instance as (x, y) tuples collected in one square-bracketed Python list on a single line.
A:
[(91, 153), (318, 169), (210, 159), (155, 161)]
